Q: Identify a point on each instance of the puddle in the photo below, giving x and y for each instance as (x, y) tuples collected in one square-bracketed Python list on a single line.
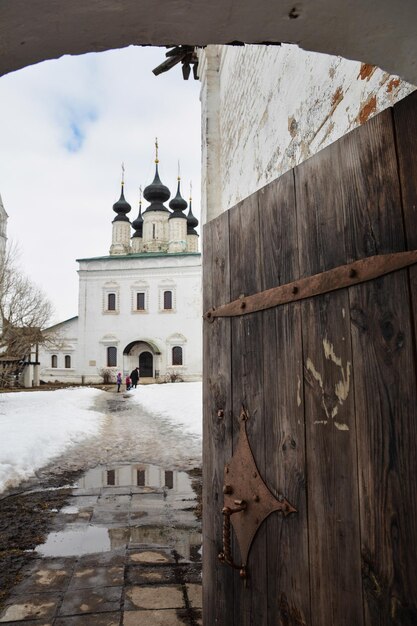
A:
[(149, 477), (90, 540), (70, 510), (128, 506)]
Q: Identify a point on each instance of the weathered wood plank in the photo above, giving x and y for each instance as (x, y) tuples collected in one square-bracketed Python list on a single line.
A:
[(247, 388), (405, 122), (333, 508), (283, 408), (217, 423), (384, 383)]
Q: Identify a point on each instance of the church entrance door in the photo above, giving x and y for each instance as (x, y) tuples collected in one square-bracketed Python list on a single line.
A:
[(146, 365)]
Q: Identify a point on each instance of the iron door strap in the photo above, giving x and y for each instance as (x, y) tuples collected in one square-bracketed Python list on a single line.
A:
[(247, 500), (338, 278)]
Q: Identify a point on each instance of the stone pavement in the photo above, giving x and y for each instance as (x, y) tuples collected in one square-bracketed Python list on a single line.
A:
[(117, 555)]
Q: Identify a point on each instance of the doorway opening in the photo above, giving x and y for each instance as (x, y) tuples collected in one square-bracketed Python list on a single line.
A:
[(146, 365)]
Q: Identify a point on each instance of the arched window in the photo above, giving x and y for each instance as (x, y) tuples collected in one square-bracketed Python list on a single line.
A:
[(167, 299), (67, 361), (111, 301), (111, 356), (177, 355), (54, 360)]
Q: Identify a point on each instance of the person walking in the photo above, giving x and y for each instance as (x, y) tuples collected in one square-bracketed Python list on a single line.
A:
[(118, 381), (128, 382), (134, 375)]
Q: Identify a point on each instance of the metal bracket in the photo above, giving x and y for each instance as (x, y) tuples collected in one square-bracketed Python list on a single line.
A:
[(337, 278), (247, 500)]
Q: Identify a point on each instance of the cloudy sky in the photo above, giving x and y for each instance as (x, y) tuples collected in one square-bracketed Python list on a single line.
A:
[(65, 128)]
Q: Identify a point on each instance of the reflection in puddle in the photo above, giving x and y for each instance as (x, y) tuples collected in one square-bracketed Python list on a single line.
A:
[(121, 506), (137, 475), (87, 540)]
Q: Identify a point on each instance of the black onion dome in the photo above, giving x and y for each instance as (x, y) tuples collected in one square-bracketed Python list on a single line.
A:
[(178, 205), (121, 207), (192, 222), (137, 224), (156, 193)]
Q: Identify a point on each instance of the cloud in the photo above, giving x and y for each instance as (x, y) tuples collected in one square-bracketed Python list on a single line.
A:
[(66, 127), (75, 125)]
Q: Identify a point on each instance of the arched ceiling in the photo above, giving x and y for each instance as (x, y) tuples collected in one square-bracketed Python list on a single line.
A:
[(381, 32)]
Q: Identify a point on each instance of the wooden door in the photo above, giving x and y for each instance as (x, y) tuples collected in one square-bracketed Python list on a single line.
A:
[(146, 365), (329, 384)]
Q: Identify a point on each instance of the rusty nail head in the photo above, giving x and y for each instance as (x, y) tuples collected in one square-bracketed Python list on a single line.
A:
[(242, 572), (220, 413), (295, 289), (226, 469), (352, 273), (243, 305), (227, 489), (255, 475), (256, 498)]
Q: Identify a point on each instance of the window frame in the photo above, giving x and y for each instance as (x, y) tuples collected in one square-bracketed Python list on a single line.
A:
[(140, 293), (164, 294), (54, 361), (108, 358), (181, 353), (67, 359), (111, 295)]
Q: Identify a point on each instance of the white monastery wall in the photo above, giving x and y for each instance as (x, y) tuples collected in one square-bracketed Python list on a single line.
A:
[(65, 345), (266, 109), (181, 326)]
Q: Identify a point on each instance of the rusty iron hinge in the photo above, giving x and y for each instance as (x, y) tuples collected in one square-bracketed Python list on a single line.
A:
[(337, 278), (247, 500)]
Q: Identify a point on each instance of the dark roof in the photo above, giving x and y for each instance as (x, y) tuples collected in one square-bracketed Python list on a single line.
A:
[(121, 207), (178, 204), (137, 224), (192, 222), (156, 193)]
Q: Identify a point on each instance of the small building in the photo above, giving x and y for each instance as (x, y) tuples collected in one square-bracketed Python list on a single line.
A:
[(140, 305)]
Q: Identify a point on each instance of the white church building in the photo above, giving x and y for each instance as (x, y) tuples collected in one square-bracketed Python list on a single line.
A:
[(141, 304)]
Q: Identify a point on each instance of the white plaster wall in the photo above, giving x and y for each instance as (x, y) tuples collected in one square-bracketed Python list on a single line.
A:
[(120, 238), (137, 244), (66, 336), (159, 243), (99, 329), (177, 235), (267, 109)]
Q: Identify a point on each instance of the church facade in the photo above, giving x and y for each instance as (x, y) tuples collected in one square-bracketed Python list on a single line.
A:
[(139, 306)]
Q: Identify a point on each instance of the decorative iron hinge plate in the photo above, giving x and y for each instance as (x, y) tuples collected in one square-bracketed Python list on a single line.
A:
[(247, 500), (337, 278)]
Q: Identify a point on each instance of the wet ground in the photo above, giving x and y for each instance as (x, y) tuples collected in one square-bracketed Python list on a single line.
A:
[(125, 546)]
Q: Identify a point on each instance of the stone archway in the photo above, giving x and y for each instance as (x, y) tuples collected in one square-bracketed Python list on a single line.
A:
[(375, 32), (142, 353)]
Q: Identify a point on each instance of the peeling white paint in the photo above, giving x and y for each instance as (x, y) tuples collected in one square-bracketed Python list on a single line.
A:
[(314, 372), (320, 421), (265, 109), (342, 387), (329, 352), (343, 313)]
